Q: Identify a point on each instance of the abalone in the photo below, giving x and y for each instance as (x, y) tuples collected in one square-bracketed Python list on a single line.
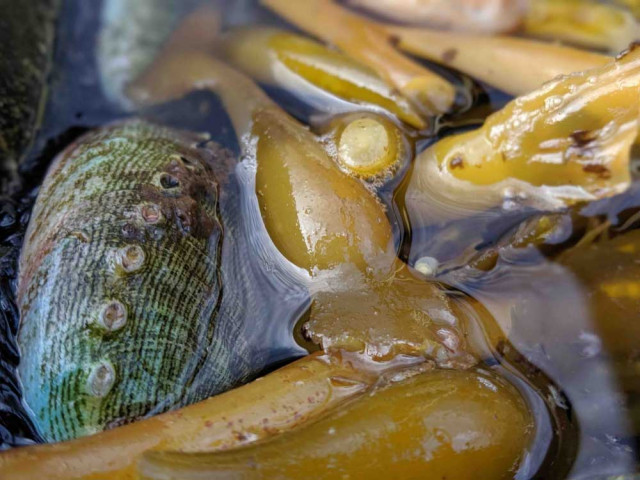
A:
[(120, 282)]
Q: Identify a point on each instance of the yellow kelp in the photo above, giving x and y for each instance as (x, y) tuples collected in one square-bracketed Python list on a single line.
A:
[(586, 23), (370, 44), (299, 64), (224, 421), (439, 424), (367, 145), (514, 65), (480, 16), (293, 170), (566, 142)]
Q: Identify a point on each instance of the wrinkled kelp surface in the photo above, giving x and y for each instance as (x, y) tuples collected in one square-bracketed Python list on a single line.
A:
[(509, 262)]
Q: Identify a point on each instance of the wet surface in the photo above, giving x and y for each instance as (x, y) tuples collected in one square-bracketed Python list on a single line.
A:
[(581, 384)]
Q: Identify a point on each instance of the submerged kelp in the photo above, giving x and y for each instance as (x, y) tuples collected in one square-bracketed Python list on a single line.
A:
[(442, 424), (385, 313), (569, 141)]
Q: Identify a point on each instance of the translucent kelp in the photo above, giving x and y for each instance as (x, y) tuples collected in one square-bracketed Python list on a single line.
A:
[(569, 141)]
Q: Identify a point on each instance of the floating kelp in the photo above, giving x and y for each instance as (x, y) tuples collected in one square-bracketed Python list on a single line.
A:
[(221, 422), (586, 23), (293, 171), (297, 399), (483, 16), (311, 235), (402, 316), (503, 62), (368, 43), (569, 141), (476, 423), (302, 67), (367, 145)]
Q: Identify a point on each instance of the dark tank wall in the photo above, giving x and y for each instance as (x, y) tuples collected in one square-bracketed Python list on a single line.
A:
[(26, 45), (77, 101)]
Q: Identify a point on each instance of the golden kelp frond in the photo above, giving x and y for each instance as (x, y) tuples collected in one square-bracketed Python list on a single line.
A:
[(437, 424), (300, 65), (294, 172), (632, 5), (514, 65), (479, 16), (586, 23), (224, 421), (370, 44), (404, 315), (566, 142), (293, 169), (316, 215)]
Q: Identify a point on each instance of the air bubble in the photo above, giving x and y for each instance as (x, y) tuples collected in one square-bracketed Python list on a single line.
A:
[(427, 266)]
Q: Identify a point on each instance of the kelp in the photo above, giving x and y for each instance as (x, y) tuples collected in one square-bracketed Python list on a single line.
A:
[(301, 66), (515, 65), (568, 141), (370, 44)]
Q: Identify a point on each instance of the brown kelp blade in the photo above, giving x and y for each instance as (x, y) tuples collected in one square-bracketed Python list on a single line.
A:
[(367, 42), (485, 16), (301, 66), (514, 65), (472, 421), (293, 169), (277, 402), (566, 142), (585, 23), (404, 315)]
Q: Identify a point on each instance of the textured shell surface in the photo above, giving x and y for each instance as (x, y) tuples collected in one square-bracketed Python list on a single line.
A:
[(120, 282)]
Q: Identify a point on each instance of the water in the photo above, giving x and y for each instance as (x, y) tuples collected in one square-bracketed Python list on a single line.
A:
[(582, 385)]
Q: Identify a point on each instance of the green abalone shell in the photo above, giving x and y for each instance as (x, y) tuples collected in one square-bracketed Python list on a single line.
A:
[(120, 282)]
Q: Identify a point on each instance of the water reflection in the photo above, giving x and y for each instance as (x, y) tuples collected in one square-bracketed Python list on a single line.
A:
[(569, 317), (573, 317)]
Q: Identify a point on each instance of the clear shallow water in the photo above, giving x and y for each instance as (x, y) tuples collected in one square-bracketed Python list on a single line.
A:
[(584, 397)]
